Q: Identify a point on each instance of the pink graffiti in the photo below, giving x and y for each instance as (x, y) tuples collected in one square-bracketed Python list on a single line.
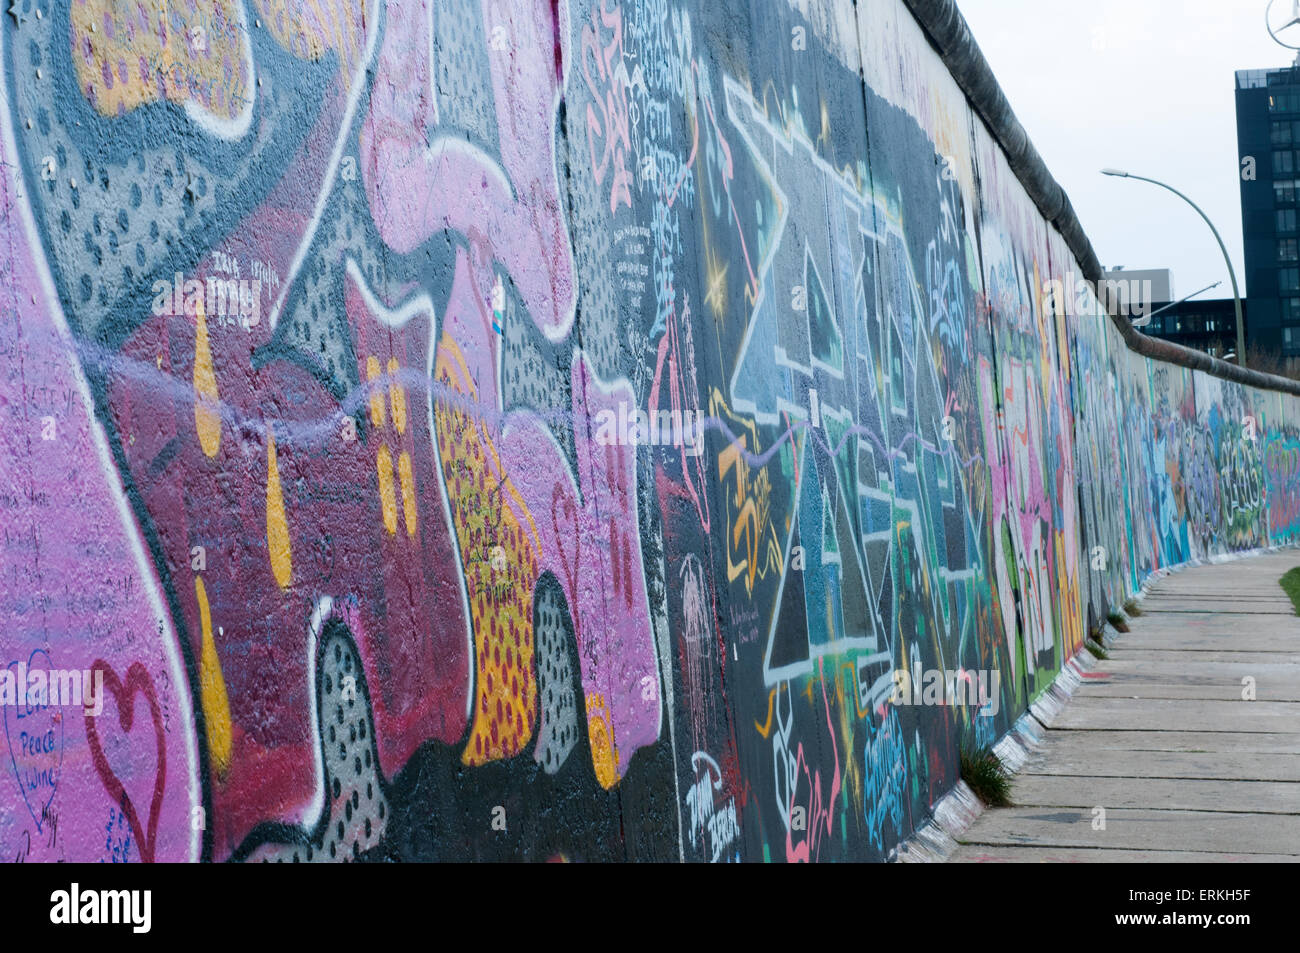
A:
[(418, 183), (609, 98), (675, 379), (77, 594), (819, 813)]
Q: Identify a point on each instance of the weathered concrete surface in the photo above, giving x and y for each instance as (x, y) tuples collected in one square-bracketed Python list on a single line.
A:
[(1161, 738)]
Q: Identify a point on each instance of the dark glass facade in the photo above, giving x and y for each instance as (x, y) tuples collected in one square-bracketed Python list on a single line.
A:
[(1209, 326), (1268, 139)]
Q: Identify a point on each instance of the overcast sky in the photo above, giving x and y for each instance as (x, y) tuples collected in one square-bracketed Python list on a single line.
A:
[(1141, 85)]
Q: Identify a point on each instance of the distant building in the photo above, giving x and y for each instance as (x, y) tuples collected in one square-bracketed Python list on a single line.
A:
[(1141, 290), (1209, 325), (1268, 140)]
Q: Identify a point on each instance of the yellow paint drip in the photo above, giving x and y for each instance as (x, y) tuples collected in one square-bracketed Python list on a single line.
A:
[(407, 473), (376, 400), (387, 494), (604, 753), (397, 394), (212, 689), (277, 525), (207, 422)]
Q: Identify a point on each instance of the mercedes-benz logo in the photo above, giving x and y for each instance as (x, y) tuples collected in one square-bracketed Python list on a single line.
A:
[(1292, 21)]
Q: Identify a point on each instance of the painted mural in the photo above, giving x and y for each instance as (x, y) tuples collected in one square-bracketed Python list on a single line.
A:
[(548, 430)]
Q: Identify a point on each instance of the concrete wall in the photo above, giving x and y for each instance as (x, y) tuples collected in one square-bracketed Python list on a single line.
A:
[(330, 338)]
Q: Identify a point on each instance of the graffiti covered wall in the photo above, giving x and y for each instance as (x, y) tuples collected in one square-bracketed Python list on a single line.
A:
[(470, 429)]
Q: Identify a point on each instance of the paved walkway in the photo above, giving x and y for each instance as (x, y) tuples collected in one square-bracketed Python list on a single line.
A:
[(1161, 738)]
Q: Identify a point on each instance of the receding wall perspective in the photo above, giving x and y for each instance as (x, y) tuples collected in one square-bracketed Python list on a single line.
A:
[(548, 430)]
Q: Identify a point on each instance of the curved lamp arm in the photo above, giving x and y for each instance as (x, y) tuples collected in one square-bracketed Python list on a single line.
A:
[(1232, 273)]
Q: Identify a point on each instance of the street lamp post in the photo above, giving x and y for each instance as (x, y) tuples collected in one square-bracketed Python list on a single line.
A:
[(1232, 273)]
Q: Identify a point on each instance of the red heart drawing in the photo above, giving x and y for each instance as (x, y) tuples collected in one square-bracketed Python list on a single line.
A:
[(137, 680)]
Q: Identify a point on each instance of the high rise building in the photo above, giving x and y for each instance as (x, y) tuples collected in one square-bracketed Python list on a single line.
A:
[(1268, 140)]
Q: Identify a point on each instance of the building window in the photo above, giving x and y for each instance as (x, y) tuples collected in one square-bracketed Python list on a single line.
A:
[(1288, 249), (1282, 134), (1284, 190), (1283, 163), (1283, 102), (1286, 220), (1288, 280), (1291, 310)]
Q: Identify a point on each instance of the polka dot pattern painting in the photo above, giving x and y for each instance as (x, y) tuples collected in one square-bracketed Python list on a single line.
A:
[(356, 808)]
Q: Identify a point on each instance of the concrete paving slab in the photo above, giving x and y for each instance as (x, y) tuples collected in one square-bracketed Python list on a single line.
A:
[(1138, 830), (1186, 635), (1226, 765), (1080, 740), (1244, 606), (1195, 687), (1193, 668), (1087, 711), (1247, 797), (1202, 656)]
